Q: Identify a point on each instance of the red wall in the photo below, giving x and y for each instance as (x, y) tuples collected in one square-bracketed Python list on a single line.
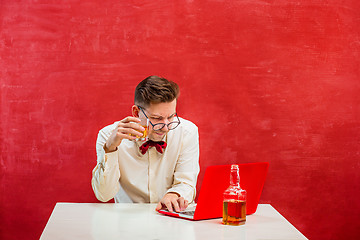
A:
[(274, 81)]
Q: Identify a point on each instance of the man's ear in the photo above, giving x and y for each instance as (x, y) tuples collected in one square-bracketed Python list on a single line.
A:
[(135, 111)]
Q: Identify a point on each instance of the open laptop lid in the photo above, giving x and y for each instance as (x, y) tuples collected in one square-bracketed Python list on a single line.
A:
[(217, 180)]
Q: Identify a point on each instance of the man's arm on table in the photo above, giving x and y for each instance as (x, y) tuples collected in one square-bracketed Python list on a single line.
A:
[(187, 169)]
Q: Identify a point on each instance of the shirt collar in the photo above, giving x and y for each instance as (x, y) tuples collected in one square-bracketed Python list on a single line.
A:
[(139, 142)]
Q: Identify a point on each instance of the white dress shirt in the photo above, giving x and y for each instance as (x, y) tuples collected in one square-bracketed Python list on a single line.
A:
[(128, 176)]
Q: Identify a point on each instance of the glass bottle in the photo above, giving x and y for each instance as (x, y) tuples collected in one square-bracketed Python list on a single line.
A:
[(234, 204)]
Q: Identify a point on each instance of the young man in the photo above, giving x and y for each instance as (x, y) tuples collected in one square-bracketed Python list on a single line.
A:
[(162, 170)]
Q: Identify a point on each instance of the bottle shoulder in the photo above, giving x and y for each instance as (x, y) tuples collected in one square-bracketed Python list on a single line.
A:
[(234, 191)]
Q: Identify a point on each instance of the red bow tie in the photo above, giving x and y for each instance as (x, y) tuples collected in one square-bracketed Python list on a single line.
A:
[(159, 146)]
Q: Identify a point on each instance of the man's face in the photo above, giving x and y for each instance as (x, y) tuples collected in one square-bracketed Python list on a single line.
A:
[(159, 113)]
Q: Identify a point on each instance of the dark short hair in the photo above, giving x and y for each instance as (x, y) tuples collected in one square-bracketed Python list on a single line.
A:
[(154, 89)]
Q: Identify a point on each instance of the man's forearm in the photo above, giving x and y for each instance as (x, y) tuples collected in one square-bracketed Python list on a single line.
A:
[(105, 179)]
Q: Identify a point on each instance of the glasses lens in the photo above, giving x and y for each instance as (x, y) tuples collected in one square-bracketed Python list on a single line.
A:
[(173, 125), (158, 126)]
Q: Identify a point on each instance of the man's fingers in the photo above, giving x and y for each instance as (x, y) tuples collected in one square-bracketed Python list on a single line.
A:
[(158, 207), (128, 128), (186, 204), (133, 129), (175, 203), (133, 132), (130, 125), (172, 201), (169, 206), (181, 201), (130, 119)]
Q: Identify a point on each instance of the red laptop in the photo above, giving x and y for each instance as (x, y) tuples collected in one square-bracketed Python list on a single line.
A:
[(216, 181)]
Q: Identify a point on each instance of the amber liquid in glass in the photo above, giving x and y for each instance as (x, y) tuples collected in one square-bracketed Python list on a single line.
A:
[(234, 212), (144, 133)]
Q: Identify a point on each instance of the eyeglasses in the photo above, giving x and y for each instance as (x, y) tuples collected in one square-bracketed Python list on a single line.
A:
[(158, 126)]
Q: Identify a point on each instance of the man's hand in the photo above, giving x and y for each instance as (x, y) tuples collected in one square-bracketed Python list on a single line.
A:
[(172, 201), (127, 128)]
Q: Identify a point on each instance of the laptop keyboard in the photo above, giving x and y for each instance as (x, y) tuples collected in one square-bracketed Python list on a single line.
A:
[(190, 213)]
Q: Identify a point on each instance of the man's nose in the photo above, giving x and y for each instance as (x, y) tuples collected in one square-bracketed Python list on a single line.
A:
[(166, 121)]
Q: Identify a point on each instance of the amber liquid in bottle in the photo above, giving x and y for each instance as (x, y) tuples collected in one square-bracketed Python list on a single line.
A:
[(234, 212), (234, 204)]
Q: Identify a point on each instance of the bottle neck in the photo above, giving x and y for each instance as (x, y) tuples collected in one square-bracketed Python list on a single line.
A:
[(234, 176)]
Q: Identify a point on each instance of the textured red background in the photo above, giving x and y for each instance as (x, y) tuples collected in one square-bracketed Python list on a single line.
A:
[(274, 81)]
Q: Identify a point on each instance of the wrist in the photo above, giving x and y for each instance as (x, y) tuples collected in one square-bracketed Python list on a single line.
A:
[(174, 193), (110, 149)]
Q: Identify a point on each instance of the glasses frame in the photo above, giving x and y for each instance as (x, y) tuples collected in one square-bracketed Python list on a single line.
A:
[(161, 124)]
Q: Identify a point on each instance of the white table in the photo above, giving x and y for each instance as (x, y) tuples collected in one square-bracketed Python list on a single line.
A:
[(107, 221)]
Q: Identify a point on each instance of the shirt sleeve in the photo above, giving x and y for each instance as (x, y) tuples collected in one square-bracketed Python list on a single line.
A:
[(187, 167), (106, 174)]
